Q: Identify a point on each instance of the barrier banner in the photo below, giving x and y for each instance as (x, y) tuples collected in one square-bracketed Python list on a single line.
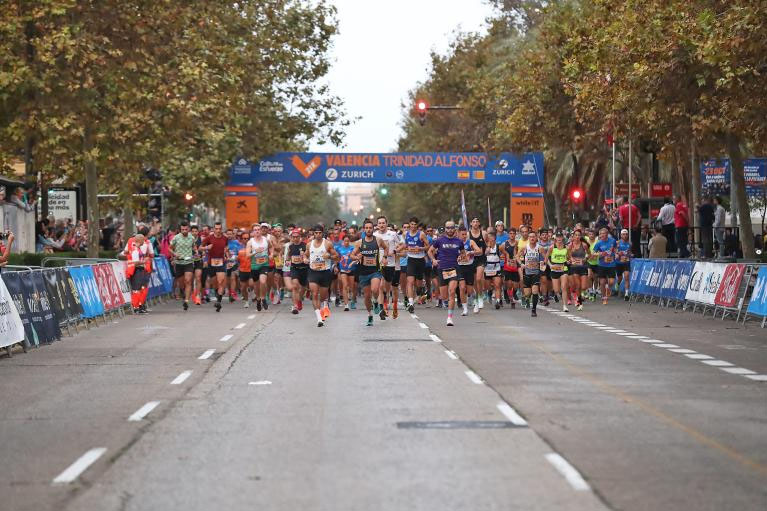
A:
[(19, 294), (155, 284), (758, 303), (636, 273), (108, 288), (644, 276), (11, 327), (42, 310), (85, 283), (118, 267), (165, 274), (68, 290), (668, 279), (683, 273), (727, 294), (50, 280), (704, 282)]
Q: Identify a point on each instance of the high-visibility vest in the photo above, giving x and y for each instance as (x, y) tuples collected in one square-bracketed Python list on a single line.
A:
[(131, 251)]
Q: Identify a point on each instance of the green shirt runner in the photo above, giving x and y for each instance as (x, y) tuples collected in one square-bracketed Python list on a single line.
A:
[(183, 247)]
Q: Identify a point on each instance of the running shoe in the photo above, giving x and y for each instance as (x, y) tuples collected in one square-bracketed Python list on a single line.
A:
[(320, 323), (497, 305), (626, 297), (346, 307), (449, 321), (382, 313), (354, 305), (564, 308), (533, 314), (218, 306), (556, 298), (197, 300), (265, 304), (395, 313), (338, 301), (580, 307), (300, 305), (293, 310), (325, 312), (186, 305), (476, 308), (513, 305), (370, 321), (258, 304), (604, 300), (465, 310), (411, 308), (231, 298)]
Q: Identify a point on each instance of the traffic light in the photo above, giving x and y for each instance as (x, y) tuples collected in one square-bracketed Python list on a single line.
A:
[(576, 195), (384, 191), (188, 197), (422, 107)]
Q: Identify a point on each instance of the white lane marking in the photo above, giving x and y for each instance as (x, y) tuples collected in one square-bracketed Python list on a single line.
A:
[(604, 328), (78, 467), (181, 378), (717, 363), (511, 414), (474, 377), (451, 354), (681, 350), (226, 337), (626, 334), (613, 331), (422, 325), (239, 326), (597, 324), (757, 377), (414, 316), (252, 316), (435, 338), (261, 382), (665, 345), (639, 337), (206, 354), (700, 356), (143, 411), (737, 370), (651, 341), (571, 475)]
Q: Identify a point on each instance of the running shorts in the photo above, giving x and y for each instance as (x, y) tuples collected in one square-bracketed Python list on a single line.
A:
[(416, 267), (390, 275), (179, 269), (467, 273), (480, 261), (300, 274), (257, 272), (621, 268), (605, 272), (530, 280), (245, 276), (212, 270), (578, 270), (427, 274), (448, 275), (198, 264), (555, 275), (365, 279), (512, 275), (233, 269), (322, 278)]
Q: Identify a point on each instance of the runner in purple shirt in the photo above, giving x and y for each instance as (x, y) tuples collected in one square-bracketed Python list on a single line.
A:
[(446, 250)]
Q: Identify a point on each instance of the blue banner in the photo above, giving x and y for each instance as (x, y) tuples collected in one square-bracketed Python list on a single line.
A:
[(521, 170), (682, 275), (155, 284), (163, 269), (758, 303), (636, 273), (86, 286), (715, 176)]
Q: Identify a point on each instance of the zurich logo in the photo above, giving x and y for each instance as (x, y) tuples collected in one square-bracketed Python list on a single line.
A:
[(503, 164), (331, 174), (400, 174), (242, 161)]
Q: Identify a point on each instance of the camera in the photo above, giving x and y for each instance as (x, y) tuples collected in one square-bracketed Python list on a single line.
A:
[(4, 235)]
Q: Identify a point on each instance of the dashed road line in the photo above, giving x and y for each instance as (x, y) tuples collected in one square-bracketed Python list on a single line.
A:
[(700, 356), (665, 345), (181, 378), (422, 325), (206, 354), (737, 370), (226, 337), (79, 466), (143, 411), (252, 316), (569, 472), (683, 351), (717, 363), (435, 338), (239, 326), (474, 377), (451, 354), (756, 377), (511, 414)]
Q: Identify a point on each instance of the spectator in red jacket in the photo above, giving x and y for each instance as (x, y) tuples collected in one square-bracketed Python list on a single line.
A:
[(631, 220), (682, 224)]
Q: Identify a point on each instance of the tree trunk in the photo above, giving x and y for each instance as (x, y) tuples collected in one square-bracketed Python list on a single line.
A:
[(92, 198), (695, 202), (739, 184), (128, 221)]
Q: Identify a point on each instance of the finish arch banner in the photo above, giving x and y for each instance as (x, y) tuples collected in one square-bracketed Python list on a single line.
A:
[(704, 282), (11, 327)]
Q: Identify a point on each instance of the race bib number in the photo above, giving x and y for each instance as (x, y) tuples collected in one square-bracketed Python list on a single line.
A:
[(624, 259), (558, 267), (415, 250), (318, 266), (491, 273), (532, 266), (449, 274), (609, 259), (216, 261), (262, 260), (297, 259), (369, 261), (543, 266), (577, 261)]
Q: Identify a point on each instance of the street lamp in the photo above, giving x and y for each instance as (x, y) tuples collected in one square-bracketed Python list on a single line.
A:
[(378, 210)]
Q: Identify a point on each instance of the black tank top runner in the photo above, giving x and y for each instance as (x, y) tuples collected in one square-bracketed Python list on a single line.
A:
[(369, 251), (480, 241), (294, 250)]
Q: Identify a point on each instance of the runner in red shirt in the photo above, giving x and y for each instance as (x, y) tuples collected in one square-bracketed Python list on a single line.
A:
[(218, 253)]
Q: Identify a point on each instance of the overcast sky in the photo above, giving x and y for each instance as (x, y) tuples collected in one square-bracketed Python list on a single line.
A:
[(381, 51)]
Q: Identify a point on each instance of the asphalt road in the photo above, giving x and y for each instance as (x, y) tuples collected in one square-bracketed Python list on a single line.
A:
[(502, 411)]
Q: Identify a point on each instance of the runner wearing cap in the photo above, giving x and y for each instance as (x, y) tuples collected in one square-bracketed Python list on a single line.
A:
[(623, 266)]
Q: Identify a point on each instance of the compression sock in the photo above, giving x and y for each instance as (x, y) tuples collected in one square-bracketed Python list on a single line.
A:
[(535, 300)]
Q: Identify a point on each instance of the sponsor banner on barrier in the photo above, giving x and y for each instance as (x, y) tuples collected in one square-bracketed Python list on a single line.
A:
[(682, 276), (704, 282), (42, 311), (87, 289), (636, 273), (727, 294), (11, 327), (109, 289), (20, 294), (50, 279), (118, 267), (155, 284), (69, 292), (758, 303), (166, 276)]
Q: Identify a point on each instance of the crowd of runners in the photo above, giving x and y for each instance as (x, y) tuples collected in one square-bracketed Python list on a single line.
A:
[(386, 266)]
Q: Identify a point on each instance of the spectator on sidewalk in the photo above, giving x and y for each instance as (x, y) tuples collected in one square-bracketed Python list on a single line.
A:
[(682, 226), (719, 214), (706, 223), (657, 245), (6, 243), (631, 220), (666, 219)]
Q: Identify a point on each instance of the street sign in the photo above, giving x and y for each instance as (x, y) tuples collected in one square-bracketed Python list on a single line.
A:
[(660, 190), (62, 203)]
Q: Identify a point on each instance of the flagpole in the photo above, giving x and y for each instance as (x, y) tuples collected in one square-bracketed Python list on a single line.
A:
[(613, 171), (489, 218)]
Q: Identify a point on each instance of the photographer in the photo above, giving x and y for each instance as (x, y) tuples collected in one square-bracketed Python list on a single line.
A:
[(6, 243)]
